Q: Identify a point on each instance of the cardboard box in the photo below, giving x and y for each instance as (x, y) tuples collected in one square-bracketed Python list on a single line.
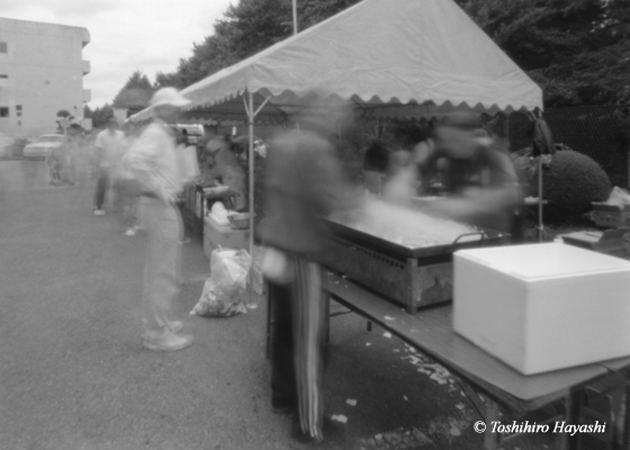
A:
[(543, 307), (611, 216), (612, 241), (216, 235)]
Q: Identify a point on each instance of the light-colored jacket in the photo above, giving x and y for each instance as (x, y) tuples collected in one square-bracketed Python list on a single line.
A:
[(152, 160)]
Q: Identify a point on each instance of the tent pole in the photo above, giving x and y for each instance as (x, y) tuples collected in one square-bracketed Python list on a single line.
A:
[(250, 117), (540, 199)]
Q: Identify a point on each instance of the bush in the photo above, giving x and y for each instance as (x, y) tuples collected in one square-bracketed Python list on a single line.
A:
[(570, 184)]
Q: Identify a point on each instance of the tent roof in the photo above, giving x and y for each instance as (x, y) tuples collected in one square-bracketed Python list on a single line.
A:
[(394, 58)]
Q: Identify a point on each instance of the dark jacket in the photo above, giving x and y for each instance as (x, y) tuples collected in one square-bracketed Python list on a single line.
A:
[(303, 185), (488, 168)]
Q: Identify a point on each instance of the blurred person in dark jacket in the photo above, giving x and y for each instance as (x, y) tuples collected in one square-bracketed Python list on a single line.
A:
[(304, 184), (375, 164), (478, 178), (109, 144)]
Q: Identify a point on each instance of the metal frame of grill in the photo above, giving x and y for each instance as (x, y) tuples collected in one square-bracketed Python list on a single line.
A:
[(413, 277)]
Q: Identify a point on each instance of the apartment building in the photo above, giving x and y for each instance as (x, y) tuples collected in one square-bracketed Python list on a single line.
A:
[(41, 73)]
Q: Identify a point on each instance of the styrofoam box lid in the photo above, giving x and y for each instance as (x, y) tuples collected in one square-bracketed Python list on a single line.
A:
[(542, 261)]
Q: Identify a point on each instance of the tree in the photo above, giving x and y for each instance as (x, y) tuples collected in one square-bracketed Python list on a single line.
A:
[(63, 115), (135, 95), (248, 27), (101, 115), (576, 50)]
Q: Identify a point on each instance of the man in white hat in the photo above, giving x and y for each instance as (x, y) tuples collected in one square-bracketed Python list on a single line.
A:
[(153, 161)]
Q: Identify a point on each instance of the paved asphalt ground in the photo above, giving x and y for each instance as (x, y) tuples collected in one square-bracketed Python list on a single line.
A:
[(74, 376)]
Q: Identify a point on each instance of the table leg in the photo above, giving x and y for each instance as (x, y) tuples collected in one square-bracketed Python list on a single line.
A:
[(327, 315), (474, 399), (574, 403), (270, 307), (491, 440), (626, 422)]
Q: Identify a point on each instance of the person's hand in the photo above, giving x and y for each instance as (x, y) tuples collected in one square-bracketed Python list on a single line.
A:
[(459, 209)]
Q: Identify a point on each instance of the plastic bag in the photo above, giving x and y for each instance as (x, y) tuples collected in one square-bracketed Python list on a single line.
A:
[(220, 214), (618, 197), (224, 291)]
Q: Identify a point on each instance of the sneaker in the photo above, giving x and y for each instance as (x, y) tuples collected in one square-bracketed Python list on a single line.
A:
[(175, 326), (167, 341), (99, 212)]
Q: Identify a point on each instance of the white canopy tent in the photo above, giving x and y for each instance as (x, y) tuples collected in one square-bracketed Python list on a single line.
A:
[(389, 58), (393, 58)]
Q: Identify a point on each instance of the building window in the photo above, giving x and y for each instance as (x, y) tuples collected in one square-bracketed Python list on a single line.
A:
[(4, 111), (4, 80), (4, 47), (18, 110)]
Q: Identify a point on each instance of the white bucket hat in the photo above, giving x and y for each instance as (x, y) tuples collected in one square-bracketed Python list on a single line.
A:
[(168, 96)]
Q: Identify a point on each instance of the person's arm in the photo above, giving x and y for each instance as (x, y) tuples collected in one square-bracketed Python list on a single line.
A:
[(500, 194), (213, 171), (403, 184)]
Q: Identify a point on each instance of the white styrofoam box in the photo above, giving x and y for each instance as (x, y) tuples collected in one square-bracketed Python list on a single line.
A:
[(543, 307)]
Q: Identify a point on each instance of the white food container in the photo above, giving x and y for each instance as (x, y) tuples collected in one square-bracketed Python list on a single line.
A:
[(543, 307)]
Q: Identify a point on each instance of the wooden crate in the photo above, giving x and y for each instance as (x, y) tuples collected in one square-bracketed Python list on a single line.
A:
[(611, 216)]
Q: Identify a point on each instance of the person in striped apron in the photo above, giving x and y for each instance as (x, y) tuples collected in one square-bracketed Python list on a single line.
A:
[(303, 184)]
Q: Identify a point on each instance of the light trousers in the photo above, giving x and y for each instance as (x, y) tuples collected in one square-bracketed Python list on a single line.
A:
[(163, 225)]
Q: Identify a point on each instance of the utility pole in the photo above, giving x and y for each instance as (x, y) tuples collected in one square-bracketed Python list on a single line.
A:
[(295, 24)]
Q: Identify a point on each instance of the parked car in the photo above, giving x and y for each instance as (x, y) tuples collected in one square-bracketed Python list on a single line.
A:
[(5, 146), (42, 146)]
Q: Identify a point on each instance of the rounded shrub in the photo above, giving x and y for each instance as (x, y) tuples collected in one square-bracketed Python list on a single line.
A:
[(570, 184)]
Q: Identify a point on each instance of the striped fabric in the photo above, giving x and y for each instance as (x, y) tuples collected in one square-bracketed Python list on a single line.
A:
[(308, 335)]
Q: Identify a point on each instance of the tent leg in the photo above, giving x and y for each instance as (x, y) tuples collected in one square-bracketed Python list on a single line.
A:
[(540, 199)]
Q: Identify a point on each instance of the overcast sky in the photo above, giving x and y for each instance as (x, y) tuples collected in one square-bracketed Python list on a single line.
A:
[(126, 35)]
